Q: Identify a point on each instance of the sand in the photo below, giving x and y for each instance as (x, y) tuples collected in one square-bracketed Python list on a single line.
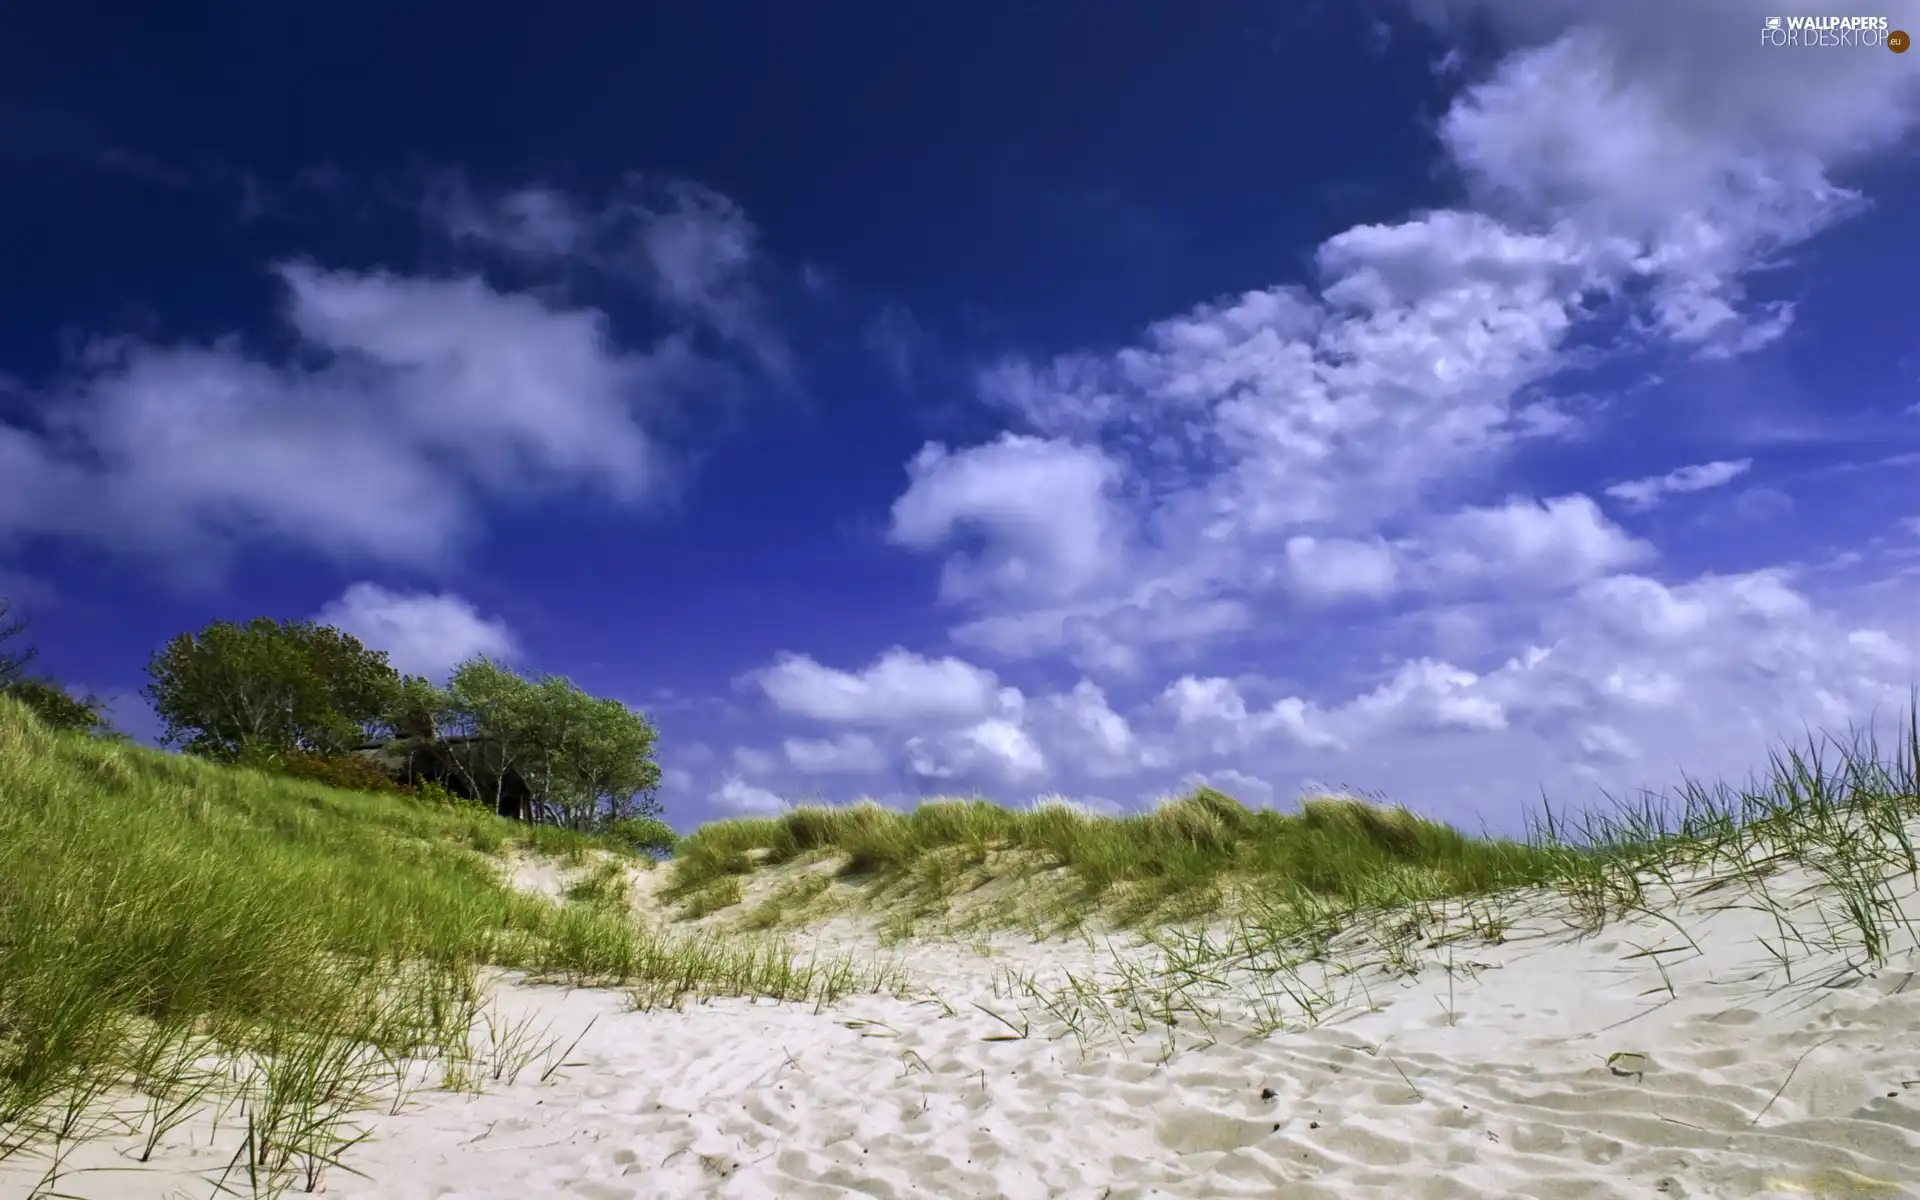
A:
[(1663, 1056)]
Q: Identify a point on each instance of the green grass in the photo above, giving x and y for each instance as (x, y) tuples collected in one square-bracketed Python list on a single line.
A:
[(1840, 807), (1293, 909), (1180, 858), (155, 909)]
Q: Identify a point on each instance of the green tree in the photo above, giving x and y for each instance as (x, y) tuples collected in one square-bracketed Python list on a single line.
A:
[(254, 692), (418, 710), (588, 760)]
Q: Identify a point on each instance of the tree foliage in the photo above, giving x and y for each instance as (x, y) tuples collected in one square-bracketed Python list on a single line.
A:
[(588, 760), (300, 693), (258, 691)]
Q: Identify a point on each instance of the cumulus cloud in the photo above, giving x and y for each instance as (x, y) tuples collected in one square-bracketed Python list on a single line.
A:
[(1042, 506), (736, 795), (411, 399), (898, 687), (1640, 495), (1627, 168), (1082, 730), (1629, 683), (1676, 129), (423, 633), (1556, 542), (1179, 517), (997, 748)]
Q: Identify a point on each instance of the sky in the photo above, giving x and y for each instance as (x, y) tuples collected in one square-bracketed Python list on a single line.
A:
[(1463, 402)]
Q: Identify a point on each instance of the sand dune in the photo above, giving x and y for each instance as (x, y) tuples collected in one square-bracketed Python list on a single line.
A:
[(1669, 1055)]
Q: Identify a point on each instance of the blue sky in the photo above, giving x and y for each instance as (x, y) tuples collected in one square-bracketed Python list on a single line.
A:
[(1451, 399)]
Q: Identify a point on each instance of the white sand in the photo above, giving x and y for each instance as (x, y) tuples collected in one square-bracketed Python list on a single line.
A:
[(1557, 1066)]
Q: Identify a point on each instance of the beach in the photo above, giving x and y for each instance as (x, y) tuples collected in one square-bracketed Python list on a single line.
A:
[(1729, 1040)]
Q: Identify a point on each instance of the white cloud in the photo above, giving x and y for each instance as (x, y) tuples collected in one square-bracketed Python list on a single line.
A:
[(1182, 508), (737, 795), (1081, 729), (1624, 161), (848, 754), (997, 748), (692, 248), (1041, 505), (899, 687), (1334, 568), (420, 395), (1212, 717), (1550, 543), (1631, 682), (1640, 495), (1675, 128), (423, 633), (1268, 427)]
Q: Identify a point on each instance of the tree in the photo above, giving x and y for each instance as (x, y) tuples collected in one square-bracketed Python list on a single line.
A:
[(418, 710), (588, 760), (254, 692)]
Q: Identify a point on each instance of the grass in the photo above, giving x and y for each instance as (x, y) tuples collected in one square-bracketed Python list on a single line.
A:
[(1184, 857), (175, 934), (1266, 919)]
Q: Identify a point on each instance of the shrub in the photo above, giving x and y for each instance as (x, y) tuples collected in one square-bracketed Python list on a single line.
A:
[(648, 835), (337, 770), (433, 793), (57, 709)]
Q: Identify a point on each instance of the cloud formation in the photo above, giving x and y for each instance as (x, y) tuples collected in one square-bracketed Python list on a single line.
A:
[(410, 400), (1338, 458), (692, 249), (423, 633), (1640, 495)]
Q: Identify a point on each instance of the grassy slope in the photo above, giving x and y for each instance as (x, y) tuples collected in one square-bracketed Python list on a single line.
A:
[(155, 909)]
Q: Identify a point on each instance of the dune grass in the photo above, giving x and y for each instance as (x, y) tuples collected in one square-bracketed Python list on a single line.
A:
[(1822, 846), (174, 932), (1188, 856), (1269, 919)]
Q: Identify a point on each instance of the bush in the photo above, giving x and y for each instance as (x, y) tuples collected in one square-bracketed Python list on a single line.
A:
[(57, 709), (337, 770), (430, 792), (648, 835)]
